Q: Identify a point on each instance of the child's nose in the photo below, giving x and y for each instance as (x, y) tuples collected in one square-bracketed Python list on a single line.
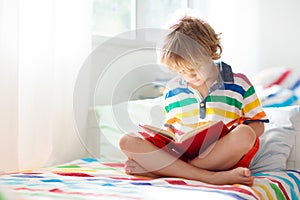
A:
[(193, 75)]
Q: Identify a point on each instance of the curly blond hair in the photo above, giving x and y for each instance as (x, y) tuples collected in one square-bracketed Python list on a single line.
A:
[(191, 42)]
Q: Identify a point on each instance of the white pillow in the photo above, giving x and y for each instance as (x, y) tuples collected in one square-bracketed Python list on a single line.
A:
[(277, 140), (122, 118)]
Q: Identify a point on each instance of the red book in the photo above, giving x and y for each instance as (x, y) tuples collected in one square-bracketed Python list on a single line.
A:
[(190, 144)]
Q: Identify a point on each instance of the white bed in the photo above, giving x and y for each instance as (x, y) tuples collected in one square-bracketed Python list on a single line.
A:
[(101, 175)]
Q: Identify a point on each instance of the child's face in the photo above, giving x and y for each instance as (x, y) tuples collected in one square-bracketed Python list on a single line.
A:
[(194, 77), (201, 74)]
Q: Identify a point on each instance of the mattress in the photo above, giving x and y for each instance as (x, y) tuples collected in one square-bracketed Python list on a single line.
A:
[(87, 178)]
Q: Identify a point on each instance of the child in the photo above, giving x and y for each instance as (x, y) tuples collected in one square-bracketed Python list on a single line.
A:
[(205, 91)]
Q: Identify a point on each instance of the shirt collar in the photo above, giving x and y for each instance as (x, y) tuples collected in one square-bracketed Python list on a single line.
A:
[(226, 74)]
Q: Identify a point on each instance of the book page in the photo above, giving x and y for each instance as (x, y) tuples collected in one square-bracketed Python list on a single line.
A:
[(180, 138), (197, 130), (161, 131)]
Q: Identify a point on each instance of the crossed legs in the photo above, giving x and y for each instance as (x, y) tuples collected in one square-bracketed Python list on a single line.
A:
[(213, 166)]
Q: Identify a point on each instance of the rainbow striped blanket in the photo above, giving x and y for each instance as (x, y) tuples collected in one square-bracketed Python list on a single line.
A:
[(86, 178)]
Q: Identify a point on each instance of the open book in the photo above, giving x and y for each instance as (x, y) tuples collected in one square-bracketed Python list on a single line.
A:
[(190, 144)]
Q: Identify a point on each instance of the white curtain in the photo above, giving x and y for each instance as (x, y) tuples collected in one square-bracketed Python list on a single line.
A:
[(43, 44)]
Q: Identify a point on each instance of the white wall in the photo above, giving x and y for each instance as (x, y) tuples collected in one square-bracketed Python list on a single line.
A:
[(237, 21), (279, 33), (256, 34)]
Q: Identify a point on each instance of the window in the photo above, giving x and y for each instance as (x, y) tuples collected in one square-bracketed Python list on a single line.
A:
[(114, 17), (157, 12), (111, 17)]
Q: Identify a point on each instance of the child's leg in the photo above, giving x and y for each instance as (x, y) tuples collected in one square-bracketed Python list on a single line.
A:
[(226, 153), (134, 168), (160, 163)]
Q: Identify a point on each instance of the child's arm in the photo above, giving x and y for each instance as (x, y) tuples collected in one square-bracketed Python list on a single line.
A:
[(258, 127)]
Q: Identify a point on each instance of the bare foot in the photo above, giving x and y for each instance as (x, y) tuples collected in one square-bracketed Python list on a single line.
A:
[(133, 168), (238, 175)]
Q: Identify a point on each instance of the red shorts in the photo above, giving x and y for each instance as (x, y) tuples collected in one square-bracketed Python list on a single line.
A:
[(246, 159)]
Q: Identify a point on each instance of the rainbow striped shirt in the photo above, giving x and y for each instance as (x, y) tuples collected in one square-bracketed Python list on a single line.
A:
[(231, 98)]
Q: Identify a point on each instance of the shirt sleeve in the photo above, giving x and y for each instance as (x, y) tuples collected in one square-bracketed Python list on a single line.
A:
[(252, 107), (170, 116)]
